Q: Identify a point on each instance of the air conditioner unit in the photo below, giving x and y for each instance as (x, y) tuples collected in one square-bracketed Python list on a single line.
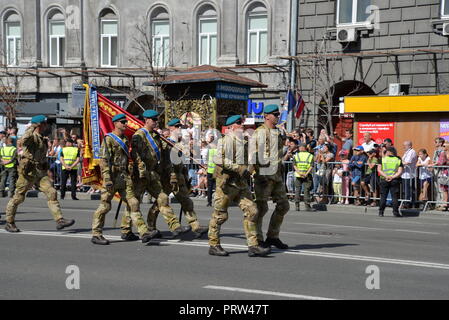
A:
[(346, 34), (446, 29), (399, 89)]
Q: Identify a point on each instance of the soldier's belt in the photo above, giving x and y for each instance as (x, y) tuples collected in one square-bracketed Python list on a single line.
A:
[(119, 169)]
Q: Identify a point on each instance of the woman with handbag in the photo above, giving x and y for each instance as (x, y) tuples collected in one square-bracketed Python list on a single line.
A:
[(443, 176)]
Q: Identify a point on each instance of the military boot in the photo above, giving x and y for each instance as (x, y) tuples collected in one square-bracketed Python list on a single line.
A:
[(129, 236), (200, 231), (297, 206), (11, 227), (309, 208), (99, 240), (64, 223), (146, 237), (218, 251), (275, 242), (258, 251), (180, 230)]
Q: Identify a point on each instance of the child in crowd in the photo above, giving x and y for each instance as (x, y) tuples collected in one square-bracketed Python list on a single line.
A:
[(370, 177), (425, 176), (346, 176), (337, 174)]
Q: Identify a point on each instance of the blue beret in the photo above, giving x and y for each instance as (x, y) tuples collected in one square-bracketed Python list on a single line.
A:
[(173, 122), (233, 119), (38, 119), (271, 108), (150, 114), (119, 117)]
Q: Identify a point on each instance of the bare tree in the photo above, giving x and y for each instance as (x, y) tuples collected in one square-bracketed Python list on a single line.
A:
[(323, 68), (11, 80)]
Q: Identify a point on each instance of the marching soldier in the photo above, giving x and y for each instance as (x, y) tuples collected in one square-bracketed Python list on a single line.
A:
[(303, 165), (175, 180), (33, 170), (8, 156), (232, 175), (116, 178), (147, 155), (268, 178)]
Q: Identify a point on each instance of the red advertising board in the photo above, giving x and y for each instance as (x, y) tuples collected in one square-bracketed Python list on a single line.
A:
[(379, 131)]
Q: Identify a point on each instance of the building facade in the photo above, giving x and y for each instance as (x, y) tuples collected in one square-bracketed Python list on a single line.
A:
[(118, 45), (369, 47)]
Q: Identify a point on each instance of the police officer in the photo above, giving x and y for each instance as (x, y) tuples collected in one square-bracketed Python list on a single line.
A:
[(8, 156), (232, 175), (268, 178), (70, 157), (147, 155), (175, 180), (33, 170), (390, 171), (116, 178), (303, 165), (211, 185)]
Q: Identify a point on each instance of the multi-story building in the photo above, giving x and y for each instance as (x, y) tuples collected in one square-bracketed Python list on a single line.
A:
[(118, 45), (367, 47)]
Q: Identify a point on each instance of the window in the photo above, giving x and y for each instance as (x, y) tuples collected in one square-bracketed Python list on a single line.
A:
[(207, 38), (445, 8), (161, 42), (56, 40), (257, 36), (352, 11), (109, 40), (13, 40)]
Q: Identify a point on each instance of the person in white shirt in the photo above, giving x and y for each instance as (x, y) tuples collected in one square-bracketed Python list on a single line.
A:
[(409, 160), (368, 142)]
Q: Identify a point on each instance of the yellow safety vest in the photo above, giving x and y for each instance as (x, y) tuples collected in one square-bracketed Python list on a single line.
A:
[(210, 161), (7, 153), (70, 155), (390, 165), (302, 161)]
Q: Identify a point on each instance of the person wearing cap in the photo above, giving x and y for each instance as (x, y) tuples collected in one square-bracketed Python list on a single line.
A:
[(357, 166), (303, 165), (232, 174), (390, 170), (148, 156), (269, 176), (70, 158), (33, 171), (175, 179), (114, 159), (8, 155)]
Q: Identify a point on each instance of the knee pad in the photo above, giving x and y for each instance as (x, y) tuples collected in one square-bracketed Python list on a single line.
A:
[(251, 213), (162, 199), (133, 204), (221, 216), (282, 207)]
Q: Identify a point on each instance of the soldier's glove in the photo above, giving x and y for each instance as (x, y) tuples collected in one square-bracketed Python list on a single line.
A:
[(108, 185)]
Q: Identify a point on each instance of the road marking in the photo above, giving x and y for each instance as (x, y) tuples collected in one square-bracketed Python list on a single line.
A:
[(269, 293), (365, 228), (204, 244)]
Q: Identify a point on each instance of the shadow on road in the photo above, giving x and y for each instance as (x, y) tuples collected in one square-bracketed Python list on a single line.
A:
[(320, 246)]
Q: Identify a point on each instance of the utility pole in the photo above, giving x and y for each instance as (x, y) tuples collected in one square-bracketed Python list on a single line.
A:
[(293, 53)]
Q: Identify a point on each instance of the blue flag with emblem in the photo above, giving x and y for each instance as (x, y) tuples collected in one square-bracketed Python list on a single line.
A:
[(152, 143), (120, 142)]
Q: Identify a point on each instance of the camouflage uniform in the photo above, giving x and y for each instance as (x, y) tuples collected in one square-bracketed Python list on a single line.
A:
[(181, 191), (33, 170), (268, 179), (145, 178), (231, 186), (114, 168)]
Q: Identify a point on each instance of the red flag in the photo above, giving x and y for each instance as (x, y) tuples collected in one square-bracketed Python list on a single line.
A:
[(300, 105), (107, 109)]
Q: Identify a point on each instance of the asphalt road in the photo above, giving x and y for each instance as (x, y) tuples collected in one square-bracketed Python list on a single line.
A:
[(333, 255)]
